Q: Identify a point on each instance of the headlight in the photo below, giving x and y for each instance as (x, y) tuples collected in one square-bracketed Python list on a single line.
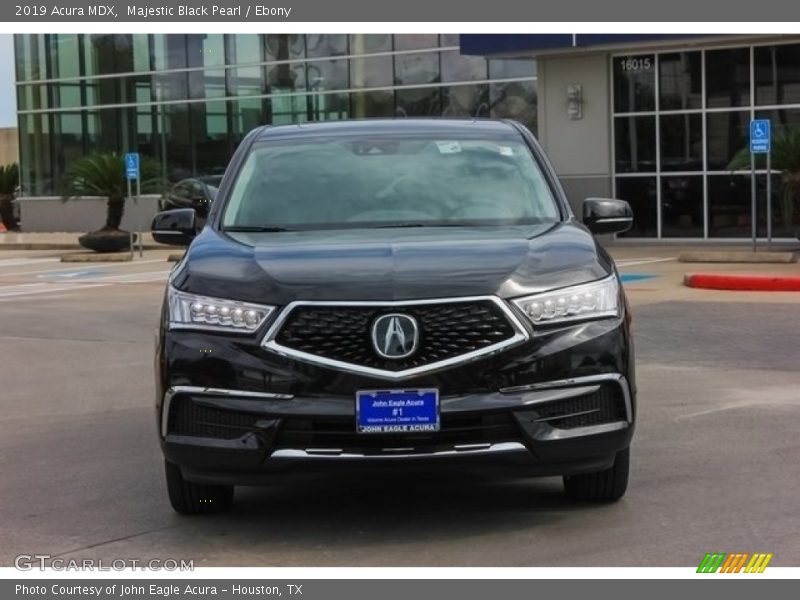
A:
[(593, 300), (187, 311)]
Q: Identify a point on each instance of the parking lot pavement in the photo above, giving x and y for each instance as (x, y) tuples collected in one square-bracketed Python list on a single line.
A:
[(715, 460)]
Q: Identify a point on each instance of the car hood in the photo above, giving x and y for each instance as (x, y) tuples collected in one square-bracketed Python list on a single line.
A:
[(390, 264)]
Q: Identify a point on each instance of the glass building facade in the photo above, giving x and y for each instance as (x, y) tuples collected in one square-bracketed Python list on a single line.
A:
[(188, 100), (679, 118)]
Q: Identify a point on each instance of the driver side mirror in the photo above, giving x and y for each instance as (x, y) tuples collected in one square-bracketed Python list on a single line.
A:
[(604, 215), (175, 227)]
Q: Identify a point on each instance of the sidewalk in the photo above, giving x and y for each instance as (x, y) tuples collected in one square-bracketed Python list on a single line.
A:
[(57, 241)]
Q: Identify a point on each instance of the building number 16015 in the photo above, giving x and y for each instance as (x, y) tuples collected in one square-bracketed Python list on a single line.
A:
[(636, 64)]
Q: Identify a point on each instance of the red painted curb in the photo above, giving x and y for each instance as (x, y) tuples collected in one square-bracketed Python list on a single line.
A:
[(758, 283)]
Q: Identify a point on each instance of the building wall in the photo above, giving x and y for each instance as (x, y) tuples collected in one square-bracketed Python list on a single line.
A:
[(9, 146), (579, 148)]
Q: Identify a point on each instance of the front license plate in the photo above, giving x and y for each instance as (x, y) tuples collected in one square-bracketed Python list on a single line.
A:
[(397, 411)]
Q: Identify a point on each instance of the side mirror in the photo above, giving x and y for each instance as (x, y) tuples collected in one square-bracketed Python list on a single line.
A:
[(175, 227), (603, 215)]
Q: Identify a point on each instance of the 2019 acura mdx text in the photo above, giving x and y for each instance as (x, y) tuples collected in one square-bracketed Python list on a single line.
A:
[(393, 290)]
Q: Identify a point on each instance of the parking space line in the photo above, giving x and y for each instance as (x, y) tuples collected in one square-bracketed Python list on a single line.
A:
[(76, 267), (17, 262), (629, 262)]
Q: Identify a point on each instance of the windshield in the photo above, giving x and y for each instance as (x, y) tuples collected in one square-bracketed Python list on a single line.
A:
[(388, 181)]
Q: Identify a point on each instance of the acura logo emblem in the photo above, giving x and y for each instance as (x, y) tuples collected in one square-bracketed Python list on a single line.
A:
[(395, 335)]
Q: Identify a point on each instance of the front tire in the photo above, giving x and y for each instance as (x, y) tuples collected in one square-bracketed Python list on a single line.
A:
[(608, 485), (190, 498)]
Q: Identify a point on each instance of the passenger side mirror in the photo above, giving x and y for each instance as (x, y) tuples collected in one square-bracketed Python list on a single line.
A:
[(176, 227), (604, 215)]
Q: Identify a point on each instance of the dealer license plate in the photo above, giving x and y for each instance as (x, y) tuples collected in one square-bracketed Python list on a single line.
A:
[(397, 411)]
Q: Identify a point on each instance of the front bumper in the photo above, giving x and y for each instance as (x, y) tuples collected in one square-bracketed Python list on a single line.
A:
[(552, 428)]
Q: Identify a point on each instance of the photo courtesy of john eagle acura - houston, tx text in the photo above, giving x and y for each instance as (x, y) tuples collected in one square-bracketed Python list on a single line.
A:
[(393, 291)]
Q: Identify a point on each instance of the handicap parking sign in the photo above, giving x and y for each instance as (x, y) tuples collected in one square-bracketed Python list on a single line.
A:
[(132, 165), (760, 136)]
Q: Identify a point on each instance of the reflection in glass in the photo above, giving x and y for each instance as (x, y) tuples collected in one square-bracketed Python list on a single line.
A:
[(372, 104), (246, 81), (207, 84), (329, 107), (682, 142), (209, 138), (169, 51), (634, 83), (64, 55), (682, 206), (244, 48), (286, 78), (284, 47), (514, 100), (728, 78), (404, 41), (727, 133), (375, 71), (320, 45), (640, 193), (777, 74), (420, 102), (327, 75), (511, 68), (363, 43), (635, 144), (29, 51), (416, 68), (729, 206), (680, 80), (465, 101), (460, 67), (205, 50)]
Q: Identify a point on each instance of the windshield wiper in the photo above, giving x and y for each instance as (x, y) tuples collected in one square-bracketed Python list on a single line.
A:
[(255, 229), (398, 225)]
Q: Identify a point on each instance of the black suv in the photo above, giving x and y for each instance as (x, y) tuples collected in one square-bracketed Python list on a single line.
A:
[(393, 290)]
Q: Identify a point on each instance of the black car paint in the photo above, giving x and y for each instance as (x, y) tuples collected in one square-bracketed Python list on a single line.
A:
[(391, 265)]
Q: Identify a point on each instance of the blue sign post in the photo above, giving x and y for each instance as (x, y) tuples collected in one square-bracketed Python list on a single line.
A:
[(760, 143), (132, 166)]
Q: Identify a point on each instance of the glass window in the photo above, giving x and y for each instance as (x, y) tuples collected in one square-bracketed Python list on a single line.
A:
[(419, 102), (169, 51), (30, 57), (416, 68), (682, 206), (289, 109), (460, 67), (514, 100), (171, 86), (286, 78), (729, 206), (177, 141), (680, 81), (404, 41), (321, 45), (246, 81), (284, 47), (640, 193), (64, 55), (375, 71), (362, 181), (361, 43), (465, 101), (329, 107), (244, 48), (35, 145), (682, 142), (511, 68), (101, 55), (728, 78), (635, 144), (634, 83), (205, 50), (372, 104), (210, 137), (207, 84), (327, 75), (727, 134), (66, 95), (32, 97), (777, 72), (246, 115)]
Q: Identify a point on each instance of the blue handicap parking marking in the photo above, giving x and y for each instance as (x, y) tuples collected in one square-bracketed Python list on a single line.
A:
[(632, 277), (71, 274)]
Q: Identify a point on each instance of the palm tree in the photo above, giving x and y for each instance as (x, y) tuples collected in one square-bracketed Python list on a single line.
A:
[(103, 174), (9, 180), (786, 159)]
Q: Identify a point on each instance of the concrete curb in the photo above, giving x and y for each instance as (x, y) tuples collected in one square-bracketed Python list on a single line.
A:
[(83, 257), (750, 283), (61, 246), (735, 256)]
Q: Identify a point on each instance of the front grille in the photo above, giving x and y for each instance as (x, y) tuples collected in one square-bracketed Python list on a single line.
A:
[(606, 405), (446, 330), (340, 434), (189, 418)]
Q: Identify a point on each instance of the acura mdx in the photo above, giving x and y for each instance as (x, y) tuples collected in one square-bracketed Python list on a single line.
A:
[(393, 290)]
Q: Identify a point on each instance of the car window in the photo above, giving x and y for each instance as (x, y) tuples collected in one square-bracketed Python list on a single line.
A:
[(386, 181)]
